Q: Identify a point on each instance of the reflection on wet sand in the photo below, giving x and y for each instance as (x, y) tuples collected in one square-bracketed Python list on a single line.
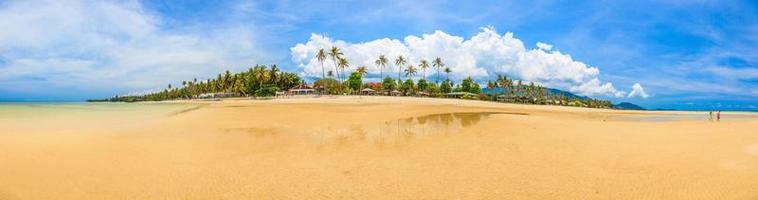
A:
[(395, 133), (402, 131)]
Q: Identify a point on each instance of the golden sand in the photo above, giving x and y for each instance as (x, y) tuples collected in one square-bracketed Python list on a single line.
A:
[(378, 148)]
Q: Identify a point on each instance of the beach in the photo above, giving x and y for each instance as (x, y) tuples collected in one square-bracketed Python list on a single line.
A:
[(360, 147)]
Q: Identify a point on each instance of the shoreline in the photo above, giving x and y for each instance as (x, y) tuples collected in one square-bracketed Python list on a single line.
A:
[(320, 99)]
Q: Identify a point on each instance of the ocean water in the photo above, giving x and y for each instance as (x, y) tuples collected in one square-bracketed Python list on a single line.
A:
[(62, 109), (68, 117)]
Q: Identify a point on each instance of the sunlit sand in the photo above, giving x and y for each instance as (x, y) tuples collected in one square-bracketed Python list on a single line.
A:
[(371, 148)]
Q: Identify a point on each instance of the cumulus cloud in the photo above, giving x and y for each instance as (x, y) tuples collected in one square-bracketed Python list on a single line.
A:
[(638, 91), (484, 55), (107, 45), (544, 46)]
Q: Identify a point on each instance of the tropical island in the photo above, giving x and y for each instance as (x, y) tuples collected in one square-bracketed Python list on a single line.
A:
[(342, 79)]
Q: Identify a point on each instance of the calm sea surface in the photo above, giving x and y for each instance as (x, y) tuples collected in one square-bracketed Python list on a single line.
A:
[(69, 109)]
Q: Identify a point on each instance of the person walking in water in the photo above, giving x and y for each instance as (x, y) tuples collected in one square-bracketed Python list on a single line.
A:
[(718, 116)]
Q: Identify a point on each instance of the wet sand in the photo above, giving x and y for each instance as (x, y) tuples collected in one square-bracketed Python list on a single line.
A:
[(374, 148)]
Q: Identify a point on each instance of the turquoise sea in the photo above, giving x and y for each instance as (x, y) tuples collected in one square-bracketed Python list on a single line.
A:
[(38, 110)]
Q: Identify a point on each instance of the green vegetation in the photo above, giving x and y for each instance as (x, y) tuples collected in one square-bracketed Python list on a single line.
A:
[(263, 81), (355, 81), (407, 87), (468, 85), (389, 84), (446, 86), (266, 91), (329, 85), (256, 81)]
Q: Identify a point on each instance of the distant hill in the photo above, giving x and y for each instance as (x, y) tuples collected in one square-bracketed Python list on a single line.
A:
[(566, 94), (627, 106), (549, 91)]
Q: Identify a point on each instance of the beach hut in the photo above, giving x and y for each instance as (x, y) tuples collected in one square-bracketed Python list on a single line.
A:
[(368, 91), (278, 93), (396, 93), (301, 89), (205, 95), (319, 88)]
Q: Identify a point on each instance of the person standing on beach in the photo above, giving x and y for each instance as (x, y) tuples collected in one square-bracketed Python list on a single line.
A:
[(718, 116), (710, 116)]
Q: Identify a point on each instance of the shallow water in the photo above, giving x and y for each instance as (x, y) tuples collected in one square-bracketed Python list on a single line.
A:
[(36, 110), (693, 116), (77, 117)]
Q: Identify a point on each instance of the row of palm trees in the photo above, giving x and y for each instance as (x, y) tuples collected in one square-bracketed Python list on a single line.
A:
[(410, 70), (256, 81), (518, 91), (341, 63)]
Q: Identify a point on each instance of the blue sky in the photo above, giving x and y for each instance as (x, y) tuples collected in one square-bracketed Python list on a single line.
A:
[(685, 54)]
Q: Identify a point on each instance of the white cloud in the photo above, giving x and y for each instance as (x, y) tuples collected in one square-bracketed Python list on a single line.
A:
[(484, 55), (544, 46), (110, 45), (733, 73), (638, 91), (594, 87)]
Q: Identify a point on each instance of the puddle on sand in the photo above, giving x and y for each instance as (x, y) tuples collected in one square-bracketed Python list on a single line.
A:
[(401, 131), (395, 133)]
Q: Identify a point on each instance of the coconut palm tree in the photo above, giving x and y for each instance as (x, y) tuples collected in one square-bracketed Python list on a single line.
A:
[(239, 86), (503, 81), (541, 94), (362, 70), (227, 80), (437, 63), (381, 62), (447, 72), (519, 88), (260, 75), (343, 64), (410, 71), (400, 62), (424, 65), (335, 53), (274, 73), (321, 56)]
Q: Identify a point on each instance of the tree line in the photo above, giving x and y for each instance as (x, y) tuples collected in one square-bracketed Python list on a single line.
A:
[(256, 81), (262, 81)]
